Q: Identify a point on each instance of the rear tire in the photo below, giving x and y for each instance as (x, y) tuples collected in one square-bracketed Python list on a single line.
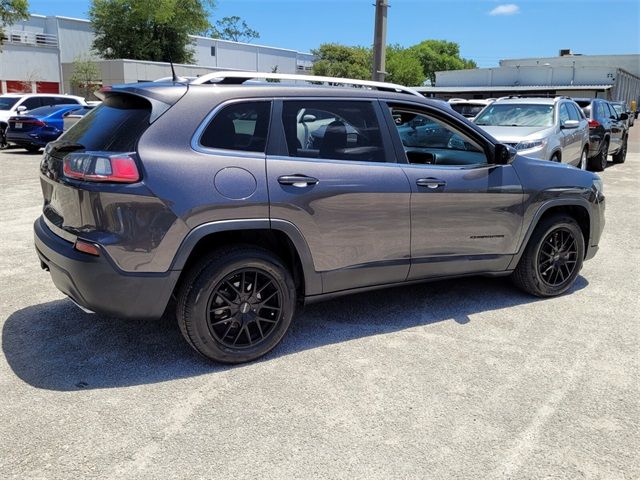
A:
[(236, 304), (599, 162), (552, 259), (621, 154)]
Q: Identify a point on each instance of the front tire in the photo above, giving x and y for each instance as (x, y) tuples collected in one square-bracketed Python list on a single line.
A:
[(621, 154), (236, 304), (552, 259), (32, 149)]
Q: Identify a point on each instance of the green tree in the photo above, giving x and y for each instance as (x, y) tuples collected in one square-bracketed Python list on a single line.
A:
[(439, 55), (12, 11), (334, 60), (145, 30), (85, 76), (234, 29), (403, 67)]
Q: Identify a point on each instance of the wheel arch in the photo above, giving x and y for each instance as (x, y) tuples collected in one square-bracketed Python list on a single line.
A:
[(278, 236), (578, 209)]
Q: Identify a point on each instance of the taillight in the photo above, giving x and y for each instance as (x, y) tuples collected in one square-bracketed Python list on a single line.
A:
[(101, 167), (594, 123)]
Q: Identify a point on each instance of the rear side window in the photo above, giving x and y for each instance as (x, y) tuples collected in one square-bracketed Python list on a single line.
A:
[(239, 126), (332, 130), (114, 126)]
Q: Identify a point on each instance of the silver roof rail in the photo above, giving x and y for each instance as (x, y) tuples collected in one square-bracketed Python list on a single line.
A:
[(237, 78)]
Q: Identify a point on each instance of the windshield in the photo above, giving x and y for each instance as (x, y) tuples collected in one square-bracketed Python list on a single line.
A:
[(467, 109), (7, 102), (516, 115), (619, 108)]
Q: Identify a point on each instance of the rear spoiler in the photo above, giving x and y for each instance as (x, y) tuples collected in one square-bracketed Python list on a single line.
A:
[(161, 96)]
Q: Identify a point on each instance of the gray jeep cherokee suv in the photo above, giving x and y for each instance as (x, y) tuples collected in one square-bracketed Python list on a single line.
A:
[(242, 200)]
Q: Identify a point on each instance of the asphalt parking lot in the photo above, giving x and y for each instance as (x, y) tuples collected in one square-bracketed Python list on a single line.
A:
[(457, 379)]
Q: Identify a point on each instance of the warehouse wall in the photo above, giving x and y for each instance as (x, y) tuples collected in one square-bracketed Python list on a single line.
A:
[(630, 63), (514, 76)]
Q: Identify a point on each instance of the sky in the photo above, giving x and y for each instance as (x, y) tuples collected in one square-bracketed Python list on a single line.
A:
[(486, 30)]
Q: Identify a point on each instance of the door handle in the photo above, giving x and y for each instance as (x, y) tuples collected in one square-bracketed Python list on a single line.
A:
[(299, 181), (432, 183)]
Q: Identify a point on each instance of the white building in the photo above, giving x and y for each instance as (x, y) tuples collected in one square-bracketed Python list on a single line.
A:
[(38, 54), (615, 77)]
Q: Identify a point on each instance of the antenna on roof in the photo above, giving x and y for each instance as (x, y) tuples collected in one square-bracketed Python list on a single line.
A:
[(174, 77)]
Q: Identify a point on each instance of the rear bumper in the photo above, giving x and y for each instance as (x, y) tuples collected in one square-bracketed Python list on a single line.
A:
[(34, 139), (96, 284)]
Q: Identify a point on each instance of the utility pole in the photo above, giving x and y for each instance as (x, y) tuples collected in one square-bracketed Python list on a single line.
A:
[(380, 41)]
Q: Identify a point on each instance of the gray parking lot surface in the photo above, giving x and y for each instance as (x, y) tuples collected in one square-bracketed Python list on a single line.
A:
[(456, 379)]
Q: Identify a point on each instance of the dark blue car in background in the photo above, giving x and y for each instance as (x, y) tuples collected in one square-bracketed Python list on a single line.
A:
[(34, 129)]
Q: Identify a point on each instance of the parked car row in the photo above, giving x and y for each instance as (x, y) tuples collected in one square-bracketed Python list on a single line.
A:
[(33, 120), (582, 132)]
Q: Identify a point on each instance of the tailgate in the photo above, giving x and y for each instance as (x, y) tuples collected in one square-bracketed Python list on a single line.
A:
[(61, 200)]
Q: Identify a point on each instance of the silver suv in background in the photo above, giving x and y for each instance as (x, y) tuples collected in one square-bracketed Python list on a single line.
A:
[(544, 128)]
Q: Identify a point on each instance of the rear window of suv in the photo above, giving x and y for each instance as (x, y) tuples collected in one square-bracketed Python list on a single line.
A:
[(114, 126)]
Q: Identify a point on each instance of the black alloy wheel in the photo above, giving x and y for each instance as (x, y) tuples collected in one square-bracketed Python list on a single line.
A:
[(552, 258), (245, 308), (557, 257), (236, 303)]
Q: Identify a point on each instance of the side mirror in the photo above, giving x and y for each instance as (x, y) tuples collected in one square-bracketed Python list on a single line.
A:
[(308, 118), (624, 116), (21, 109), (504, 154), (570, 124)]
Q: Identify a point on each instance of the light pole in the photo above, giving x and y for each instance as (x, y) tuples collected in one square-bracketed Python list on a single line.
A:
[(380, 41)]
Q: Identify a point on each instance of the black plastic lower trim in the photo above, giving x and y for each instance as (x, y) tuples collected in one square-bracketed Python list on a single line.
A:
[(97, 285)]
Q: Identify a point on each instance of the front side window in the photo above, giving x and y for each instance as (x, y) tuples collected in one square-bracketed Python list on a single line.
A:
[(516, 115), (31, 103), (332, 130), (239, 126), (575, 113), (427, 140), (564, 113)]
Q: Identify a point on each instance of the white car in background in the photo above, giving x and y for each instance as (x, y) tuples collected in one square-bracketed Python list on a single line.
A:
[(16, 103), (469, 108)]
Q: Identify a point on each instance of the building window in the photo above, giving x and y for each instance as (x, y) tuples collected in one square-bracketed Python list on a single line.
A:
[(213, 51)]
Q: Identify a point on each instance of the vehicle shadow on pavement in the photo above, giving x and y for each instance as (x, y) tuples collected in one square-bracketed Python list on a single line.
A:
[(56, 346)]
